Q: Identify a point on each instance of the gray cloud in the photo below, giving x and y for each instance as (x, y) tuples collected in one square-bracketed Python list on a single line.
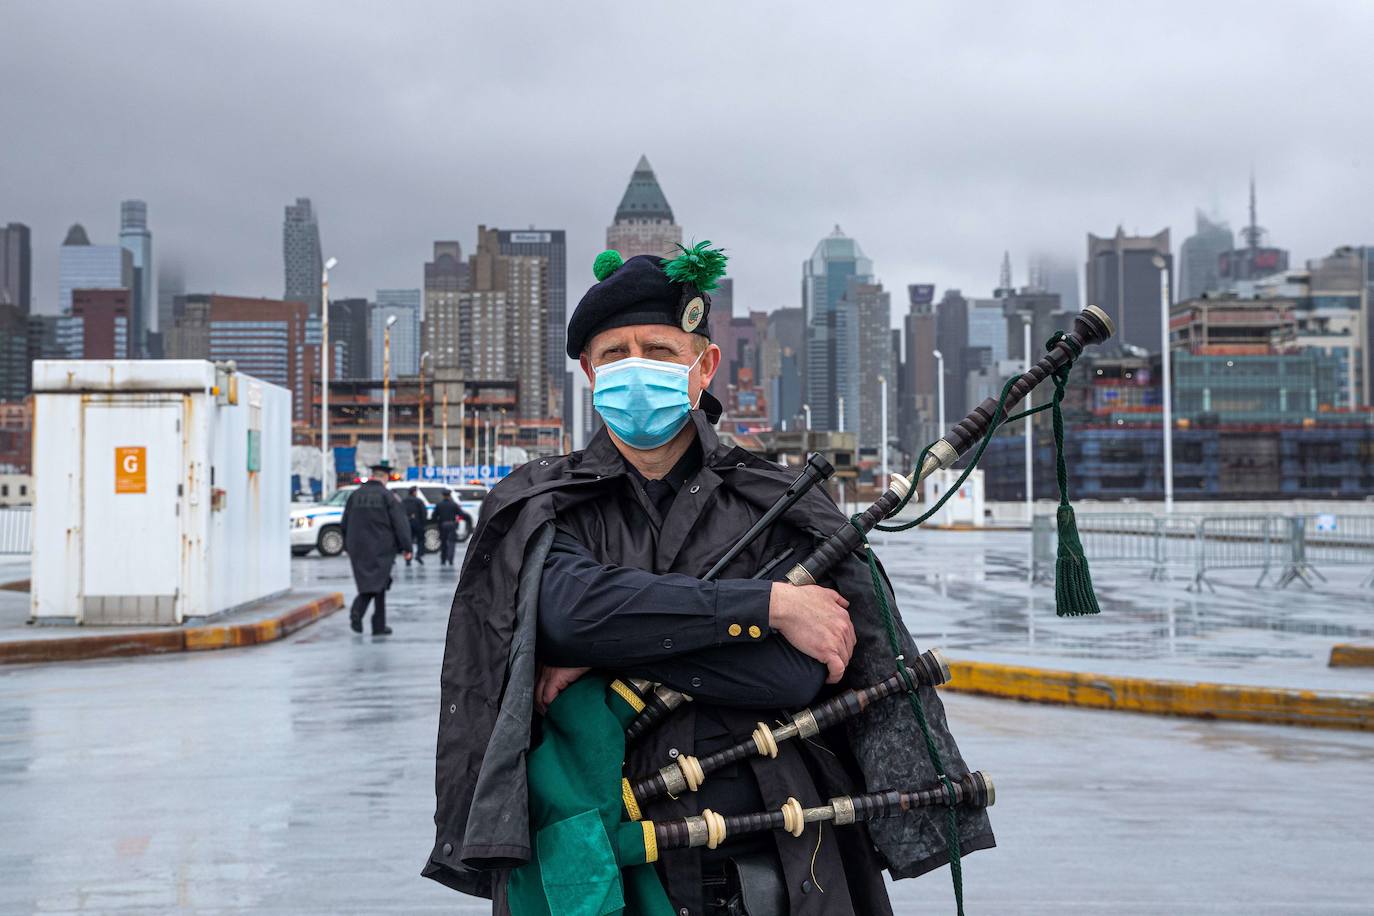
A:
[(936, 134)]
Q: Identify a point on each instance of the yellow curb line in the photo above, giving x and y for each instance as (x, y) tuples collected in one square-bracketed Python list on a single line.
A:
[(1348, 655), (1269, 705), (150, 642)]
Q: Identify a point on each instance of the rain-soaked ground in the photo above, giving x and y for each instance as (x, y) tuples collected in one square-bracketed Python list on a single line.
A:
[(296, 777)]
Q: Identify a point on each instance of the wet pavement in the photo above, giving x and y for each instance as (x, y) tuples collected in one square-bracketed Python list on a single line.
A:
[(296, 777)]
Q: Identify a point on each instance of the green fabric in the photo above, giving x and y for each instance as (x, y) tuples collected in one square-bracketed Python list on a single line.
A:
[(582, 839), (1073, 586)]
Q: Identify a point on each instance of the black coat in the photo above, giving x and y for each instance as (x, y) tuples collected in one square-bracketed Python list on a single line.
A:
[(489, 661), (415, 510), (375, 530), (446, 511)]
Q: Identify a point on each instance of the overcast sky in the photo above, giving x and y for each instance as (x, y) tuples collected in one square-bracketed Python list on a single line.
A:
[(938, 135)]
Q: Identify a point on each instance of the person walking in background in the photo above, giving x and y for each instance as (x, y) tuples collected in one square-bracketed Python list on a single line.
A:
[(375, 529), (447, 513), (417, 513)]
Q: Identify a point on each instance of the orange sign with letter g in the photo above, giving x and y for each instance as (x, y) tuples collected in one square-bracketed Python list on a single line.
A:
[(131, 469)]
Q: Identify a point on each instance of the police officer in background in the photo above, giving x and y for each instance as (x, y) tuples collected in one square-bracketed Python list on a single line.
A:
[(446, 514), (417, 513)]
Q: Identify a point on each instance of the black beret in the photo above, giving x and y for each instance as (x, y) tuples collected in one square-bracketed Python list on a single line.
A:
[(639, 291)]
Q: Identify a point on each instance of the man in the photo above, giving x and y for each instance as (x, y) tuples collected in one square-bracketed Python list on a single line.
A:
[(416, 512), (375, 530), (592, 561), (446, 514)]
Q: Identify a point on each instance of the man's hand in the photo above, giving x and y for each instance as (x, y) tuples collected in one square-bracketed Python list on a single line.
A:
[(815, 620), (550, 682), (407, 556)]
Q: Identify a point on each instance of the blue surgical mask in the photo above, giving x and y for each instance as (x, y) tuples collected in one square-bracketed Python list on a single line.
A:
[(643, 401)]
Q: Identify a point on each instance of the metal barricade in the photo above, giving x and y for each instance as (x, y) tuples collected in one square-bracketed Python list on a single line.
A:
[(15, 529), (1260, 542), (1330, 540)]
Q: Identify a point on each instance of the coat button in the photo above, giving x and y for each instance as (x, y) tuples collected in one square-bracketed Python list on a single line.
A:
[(735, 629), (806, 887), (673, 752), (684, 912), (755, 632), (448, 849), (739, 466), (696, 682), (452, 708), (695, 487), (668, 643), (486, 558)]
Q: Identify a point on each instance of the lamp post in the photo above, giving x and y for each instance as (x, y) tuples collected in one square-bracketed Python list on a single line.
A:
[(324, 380), (1030, 424), (806, 412), (939, 390), (386, 388), (1167, 411), (463, 432), (422, 459), (882, 380)]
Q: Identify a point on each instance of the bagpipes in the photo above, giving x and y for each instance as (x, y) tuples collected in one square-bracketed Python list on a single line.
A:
[(587, 833)]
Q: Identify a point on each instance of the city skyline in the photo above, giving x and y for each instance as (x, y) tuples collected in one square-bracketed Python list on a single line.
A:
[(928, 192)]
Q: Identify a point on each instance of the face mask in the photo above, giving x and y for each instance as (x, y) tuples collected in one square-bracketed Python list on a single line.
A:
[(643, 401)]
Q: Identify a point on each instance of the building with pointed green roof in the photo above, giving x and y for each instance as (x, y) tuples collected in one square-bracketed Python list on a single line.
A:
[(644, 221)]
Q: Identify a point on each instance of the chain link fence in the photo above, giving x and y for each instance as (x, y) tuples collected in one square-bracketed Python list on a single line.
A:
[(1278, 548)]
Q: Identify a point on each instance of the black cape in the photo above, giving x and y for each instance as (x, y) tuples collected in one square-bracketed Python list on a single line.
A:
[(487, 679), (375, 530)]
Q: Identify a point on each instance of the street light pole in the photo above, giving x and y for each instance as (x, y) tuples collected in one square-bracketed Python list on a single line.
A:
[(325, 463), (423, 461), (1167, 411), (386, 388), (463, 432), (939, 390), (882, 380), (806, 410), (1030, 425)]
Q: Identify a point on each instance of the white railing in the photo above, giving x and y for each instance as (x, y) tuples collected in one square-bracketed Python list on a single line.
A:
[(16, 529)]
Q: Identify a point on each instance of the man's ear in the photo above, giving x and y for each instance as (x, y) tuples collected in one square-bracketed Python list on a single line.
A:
[(709, 365), (587, 369)]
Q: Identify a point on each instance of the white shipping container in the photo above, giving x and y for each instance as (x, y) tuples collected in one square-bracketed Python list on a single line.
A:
[(161, 491)]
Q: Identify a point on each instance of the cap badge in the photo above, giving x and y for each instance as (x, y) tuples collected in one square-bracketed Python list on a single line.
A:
[(691, 316)]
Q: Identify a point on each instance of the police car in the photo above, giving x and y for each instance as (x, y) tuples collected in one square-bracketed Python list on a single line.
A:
[(317, 527)]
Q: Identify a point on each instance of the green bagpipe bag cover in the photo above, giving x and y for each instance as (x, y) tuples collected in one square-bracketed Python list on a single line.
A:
[(588, 858)]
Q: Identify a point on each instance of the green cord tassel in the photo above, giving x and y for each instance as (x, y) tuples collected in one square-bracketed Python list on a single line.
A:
[(1073, 585)]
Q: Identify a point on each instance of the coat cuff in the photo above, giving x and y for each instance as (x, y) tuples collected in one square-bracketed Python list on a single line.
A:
[(742, 610)]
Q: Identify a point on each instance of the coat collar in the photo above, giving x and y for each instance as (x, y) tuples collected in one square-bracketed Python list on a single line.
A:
[(601, 458)]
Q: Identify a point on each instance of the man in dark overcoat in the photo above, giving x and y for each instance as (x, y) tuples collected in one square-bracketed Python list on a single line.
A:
[(446, 514), (375, 529), (593, 561), (416, 513)]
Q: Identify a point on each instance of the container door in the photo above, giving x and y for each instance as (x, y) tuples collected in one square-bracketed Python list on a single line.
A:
[(132, 529)]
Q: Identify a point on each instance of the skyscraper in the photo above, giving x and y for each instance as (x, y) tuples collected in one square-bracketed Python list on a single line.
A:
[(781, 364), (135, 238), (951, 339), (105, 317), (300, 245), (550, 245), (171, 283), (1124, 281), (723, 333), (82, 265), (1254, 260), (1200, 257), (445, 278), (349, 321), (873, 308), (16, 267), (1058, 275), (501, 323), (830, 369), (405, 333), (643, 221), (918, 413)]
